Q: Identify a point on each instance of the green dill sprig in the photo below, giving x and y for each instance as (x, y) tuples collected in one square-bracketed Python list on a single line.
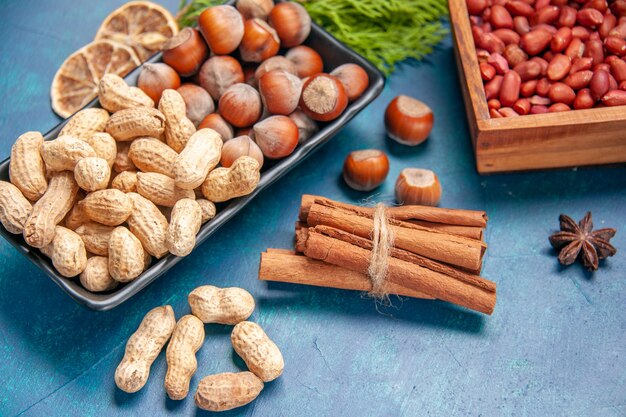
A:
[(385, 32), (189, 10)]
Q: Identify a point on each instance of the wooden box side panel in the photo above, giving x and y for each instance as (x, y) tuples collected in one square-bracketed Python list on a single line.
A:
[(551, 146), (467, 67)]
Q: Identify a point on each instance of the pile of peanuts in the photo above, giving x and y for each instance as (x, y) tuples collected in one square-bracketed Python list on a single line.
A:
[(119, 185), (540, 56), (218, 392)]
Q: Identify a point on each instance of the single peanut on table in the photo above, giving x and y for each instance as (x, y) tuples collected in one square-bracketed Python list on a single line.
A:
[(178, 128), (226, 391), (95, 277), (143, 347), (185, 222), (126, 255), (186, 340), (257, 350), (201, 154), (50, 209), (14, 208), (221, 305), (27, 169)]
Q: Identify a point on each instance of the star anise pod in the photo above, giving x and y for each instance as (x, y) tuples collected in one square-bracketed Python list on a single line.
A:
[(580, 239)]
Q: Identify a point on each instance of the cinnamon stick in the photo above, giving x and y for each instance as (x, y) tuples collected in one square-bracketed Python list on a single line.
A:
[(473, 232), (405, 256), (451, 249), (457, 217), (285, 266), (479, 296)]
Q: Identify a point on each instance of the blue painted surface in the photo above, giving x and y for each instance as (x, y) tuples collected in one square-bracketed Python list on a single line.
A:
[(555, 345)]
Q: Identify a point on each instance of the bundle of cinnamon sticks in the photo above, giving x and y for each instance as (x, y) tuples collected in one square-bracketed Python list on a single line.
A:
[(437, 253)]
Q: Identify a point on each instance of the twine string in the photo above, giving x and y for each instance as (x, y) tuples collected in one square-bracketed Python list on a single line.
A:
[(382, 239)]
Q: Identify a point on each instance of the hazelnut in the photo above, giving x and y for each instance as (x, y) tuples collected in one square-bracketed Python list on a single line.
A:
[(185, 52), (323, 97), (216, 122), (240, 105), (218, 73), (222, 28), (306, 60), (275, 63), (240, 146), (280, 91), (354, 79), (365, 170), (292, 23), (418, 187), (408, 120), (259, 41), (156, 78), (306, 126), (277, 136), (197, 101), (251, 9)]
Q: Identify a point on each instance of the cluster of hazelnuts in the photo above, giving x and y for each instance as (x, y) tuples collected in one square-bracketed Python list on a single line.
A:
[(409, 122), (261, 103)]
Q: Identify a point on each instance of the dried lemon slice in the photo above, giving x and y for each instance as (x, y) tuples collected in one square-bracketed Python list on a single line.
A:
[(76, 82), (142, 25)]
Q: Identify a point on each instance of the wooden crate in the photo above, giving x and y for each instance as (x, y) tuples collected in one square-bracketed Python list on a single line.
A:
[(553, 140)]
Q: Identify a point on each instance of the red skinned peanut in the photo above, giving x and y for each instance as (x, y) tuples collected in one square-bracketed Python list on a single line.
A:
[(561, 93), (492, 88), (558, 108), (487, 72), (509, 92), (589, 17), (538, 109), (584, 100), (599, 84), (559, 67), (561, 39), (535, 41), (528, 70), (578, 80), (615, 98), (528, 88), (500, 17)]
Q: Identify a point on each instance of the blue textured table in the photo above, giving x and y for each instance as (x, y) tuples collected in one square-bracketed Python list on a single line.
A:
[(555, 345)]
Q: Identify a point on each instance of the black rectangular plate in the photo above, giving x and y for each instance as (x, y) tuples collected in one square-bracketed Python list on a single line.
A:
[(334, 53)]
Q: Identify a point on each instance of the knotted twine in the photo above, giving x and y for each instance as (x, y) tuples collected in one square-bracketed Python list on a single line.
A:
[(382, 240)]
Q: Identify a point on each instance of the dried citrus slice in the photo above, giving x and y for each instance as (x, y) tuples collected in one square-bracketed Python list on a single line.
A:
[(142, 25), (76, 82)]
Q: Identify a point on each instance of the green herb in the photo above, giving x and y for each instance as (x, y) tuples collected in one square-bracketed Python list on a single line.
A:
[(189, 10), (384, 31)]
